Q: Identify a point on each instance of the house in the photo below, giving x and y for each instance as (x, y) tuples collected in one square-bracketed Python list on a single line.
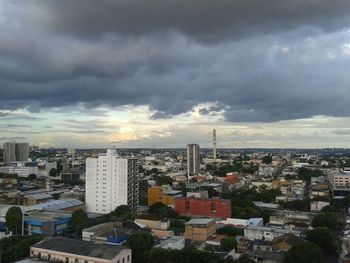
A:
[(200, 229), (157, 223), (285, 242), (37, 199), (59, 249), (267, 233), (113, 232)]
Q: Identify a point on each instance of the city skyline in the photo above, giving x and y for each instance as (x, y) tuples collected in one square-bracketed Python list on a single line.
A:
[(261, 79)]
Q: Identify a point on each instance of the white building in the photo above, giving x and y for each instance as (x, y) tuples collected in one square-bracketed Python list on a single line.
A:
[(267, 233), (111, 181), (22, 169)]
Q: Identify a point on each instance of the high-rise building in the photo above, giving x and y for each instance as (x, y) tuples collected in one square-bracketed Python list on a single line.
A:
[(193, 161), (111, 181), (15, 152), (214, 143), (22, 152)]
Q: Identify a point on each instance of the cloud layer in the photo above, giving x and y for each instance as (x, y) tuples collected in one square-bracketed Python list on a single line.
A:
[(250, 61)]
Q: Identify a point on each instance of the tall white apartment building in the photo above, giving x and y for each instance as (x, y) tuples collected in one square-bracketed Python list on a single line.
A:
[(111, 181)]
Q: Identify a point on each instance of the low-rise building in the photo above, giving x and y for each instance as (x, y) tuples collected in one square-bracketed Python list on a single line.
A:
[(113, 232), (316, 206), (59, 249), (162, 195), (267, 233), (46, 223), (213, 207), (283, 217), (37, 199), (200, 229), (241, 223), (174, 242)]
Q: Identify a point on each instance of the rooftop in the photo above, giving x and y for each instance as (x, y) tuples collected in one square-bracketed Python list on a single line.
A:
[(150, 217), (200, 221), (80, 247)]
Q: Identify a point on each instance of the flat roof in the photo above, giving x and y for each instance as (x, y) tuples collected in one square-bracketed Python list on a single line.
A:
[(80, 247), (200, 221)]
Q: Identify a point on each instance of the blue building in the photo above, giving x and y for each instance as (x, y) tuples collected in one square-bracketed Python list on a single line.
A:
[(46, 223)]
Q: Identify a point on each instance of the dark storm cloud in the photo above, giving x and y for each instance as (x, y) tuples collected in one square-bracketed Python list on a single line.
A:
[(255, 61), (205, 19)]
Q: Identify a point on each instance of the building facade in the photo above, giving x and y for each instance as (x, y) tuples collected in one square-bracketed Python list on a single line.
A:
[(15, 152), (111, 181), (214, 207), (159, 194), (59, 249), (193, 160), (200, 229)]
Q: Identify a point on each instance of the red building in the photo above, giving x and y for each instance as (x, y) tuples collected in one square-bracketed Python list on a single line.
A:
[(214, 207)]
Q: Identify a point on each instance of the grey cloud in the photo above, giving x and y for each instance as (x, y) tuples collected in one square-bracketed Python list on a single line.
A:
[(342, 132), (12, 138), (202, 19), (295, 67)]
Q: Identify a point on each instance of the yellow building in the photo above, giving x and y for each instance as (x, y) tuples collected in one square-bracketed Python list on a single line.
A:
[(161, 194), (200, 229)]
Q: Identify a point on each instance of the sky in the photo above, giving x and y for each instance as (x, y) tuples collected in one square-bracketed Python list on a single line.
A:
[(164, 73)]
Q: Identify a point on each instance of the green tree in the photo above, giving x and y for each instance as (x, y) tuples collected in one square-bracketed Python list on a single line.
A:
[(32, 177), (244, 259), (163, 180), (329, 220), (267, 159), (15, 248), (305, 253), (162, 209), (228, 243), (123, 212), (79, 221), (140, 244), (230, 231), (324, 238), (306, 174), (14, 219), (53, 172)]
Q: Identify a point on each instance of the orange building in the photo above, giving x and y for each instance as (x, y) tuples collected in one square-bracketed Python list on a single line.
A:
[(160, 194)]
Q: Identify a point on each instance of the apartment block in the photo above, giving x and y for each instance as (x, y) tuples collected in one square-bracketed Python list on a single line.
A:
[(111, 181), (214, 207)]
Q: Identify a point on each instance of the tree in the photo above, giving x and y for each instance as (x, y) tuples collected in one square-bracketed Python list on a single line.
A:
[(32, 177), (228, 243), (53, 172), (267, 159), (14, 219), (79, 221), (300, 205), (324, 238), (230, 231), (140, 244), (305, 253), (123, 212), (16, 248), (162, 209), (306, 174), (244, 259), (163, 180), (329, 220)]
